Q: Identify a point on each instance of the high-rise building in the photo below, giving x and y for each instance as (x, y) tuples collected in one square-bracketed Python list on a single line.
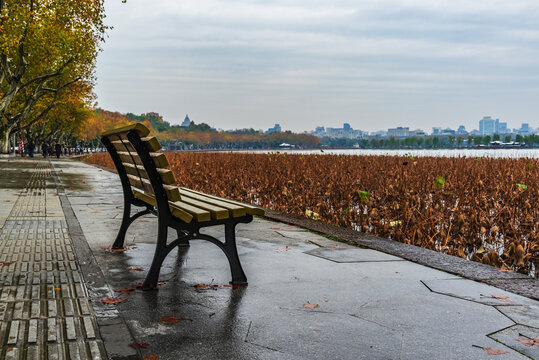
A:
[(462, 130), (398, 132), (487, 126)]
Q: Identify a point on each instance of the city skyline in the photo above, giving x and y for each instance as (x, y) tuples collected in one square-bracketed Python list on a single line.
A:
[(375, 64)]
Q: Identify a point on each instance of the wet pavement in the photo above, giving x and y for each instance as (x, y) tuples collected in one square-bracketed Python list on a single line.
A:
[(308, 297)]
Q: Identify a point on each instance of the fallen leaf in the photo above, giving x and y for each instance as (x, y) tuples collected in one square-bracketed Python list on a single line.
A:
[(503, 298), (333, 246), (9, 349), (326, 300), (57, 289), (113, 300), (169, 320), (151, 357), (492, 351), (119, 250), (95, 212), (206, 286), (139, 345), (125, 291), (527, 342), (311, 306), (135, 268), (506, 270), (7, 263)]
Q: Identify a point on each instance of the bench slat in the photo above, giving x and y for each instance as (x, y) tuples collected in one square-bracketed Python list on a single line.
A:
[(138, 127), (173, 193), (176, 211), (151, 143), (178, 208), (235, 210), (217, 213), (251, 209), (159, 159), (167, 176), (124, 145)]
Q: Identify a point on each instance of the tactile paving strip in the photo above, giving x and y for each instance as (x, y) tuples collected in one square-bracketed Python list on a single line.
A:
[(44, 308)]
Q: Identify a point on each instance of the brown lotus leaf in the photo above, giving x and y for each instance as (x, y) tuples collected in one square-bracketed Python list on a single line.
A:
[(474, 208)]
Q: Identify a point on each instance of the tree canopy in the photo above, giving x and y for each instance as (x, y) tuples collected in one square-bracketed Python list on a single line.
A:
[(46, 47)]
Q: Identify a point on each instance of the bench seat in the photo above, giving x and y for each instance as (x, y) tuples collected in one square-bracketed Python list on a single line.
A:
[(200, 207)]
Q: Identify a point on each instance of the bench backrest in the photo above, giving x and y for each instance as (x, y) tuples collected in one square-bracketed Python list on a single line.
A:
[(139, 165)]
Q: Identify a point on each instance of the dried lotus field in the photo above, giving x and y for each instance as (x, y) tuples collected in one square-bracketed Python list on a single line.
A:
[(485, 210)]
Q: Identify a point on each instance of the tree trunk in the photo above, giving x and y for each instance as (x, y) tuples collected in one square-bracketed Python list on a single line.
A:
[(4, 140)]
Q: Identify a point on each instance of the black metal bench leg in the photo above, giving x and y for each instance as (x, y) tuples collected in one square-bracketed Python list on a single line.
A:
[(126, 221), (238, 276), (182, 243), (159, 256)]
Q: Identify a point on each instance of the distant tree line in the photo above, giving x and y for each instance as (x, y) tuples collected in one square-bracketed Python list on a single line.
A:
[(431, 142)]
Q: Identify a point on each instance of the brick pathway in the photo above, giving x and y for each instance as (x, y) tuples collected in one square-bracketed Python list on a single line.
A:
[(44, 307)]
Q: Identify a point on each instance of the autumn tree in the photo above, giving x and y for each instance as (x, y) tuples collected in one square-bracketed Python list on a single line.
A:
[(46, 47)]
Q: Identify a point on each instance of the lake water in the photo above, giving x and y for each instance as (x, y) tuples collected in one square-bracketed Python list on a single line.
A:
[(494, 153)]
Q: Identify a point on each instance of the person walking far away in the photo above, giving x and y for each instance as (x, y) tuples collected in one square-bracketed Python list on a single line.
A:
[(58, 150), (31, 148), (44, 149)]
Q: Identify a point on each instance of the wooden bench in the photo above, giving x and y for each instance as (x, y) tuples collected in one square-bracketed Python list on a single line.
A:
[(147, 183)]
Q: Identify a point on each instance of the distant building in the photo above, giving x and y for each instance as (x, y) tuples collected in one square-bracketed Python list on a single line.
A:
[(525, 129), (448, 131), (276, 128), (186, 122), (345, 132), (399, 132), (418, 132), (436, 131), (487, 126), (500, 127), (462, 130)]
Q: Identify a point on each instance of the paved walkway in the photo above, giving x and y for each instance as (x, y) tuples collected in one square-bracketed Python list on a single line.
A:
[(308, 297)]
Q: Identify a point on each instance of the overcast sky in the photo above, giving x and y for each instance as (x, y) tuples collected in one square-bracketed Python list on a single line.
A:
[(303, 63)]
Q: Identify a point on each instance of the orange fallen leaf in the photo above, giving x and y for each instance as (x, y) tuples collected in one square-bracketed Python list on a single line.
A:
[(119, 250), (492, 351), (9, 349), (311, 306), (206, 286), (57, 289), (151, 357), (169, 320), (139, 345), (7, 263), (334, 246), (95, 212), (113, 300), (503, 298), (135, 268)]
